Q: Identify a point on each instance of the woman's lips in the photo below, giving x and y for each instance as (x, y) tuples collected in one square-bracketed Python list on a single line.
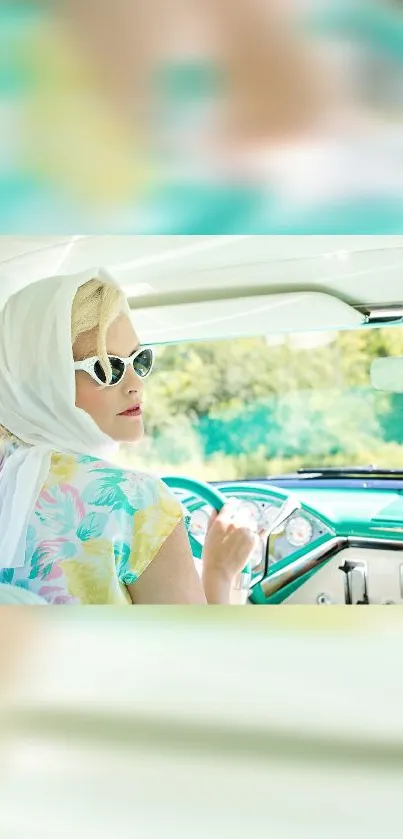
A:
[(134, 411)]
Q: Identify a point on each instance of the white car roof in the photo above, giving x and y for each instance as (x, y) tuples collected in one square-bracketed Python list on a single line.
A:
[(193, 278)]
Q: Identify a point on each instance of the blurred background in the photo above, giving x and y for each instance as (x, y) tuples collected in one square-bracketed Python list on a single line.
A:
[(193, 722), (249, 408), (205, 116)]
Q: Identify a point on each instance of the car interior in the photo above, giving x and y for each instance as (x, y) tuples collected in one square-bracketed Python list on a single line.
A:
[(309, 443)]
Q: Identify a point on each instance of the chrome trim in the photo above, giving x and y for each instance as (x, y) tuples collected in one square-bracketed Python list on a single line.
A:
[(383, 314), (374, 541), (356, 577), (321, 554), (302, 565), (290, 506)]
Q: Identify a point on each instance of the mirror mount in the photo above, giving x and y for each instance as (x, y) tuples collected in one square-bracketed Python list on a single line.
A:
[(380, 315)]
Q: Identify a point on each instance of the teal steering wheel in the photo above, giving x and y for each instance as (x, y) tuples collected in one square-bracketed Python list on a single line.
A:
[(206, 493), (200, 493)]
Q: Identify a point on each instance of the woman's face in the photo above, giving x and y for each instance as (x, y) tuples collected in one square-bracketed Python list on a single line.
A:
[(106, 405)]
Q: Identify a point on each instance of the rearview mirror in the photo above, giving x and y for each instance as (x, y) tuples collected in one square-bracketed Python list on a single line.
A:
[(387, 374)]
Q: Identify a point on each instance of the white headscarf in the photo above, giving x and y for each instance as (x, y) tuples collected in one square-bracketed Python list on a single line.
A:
[(37, 400)]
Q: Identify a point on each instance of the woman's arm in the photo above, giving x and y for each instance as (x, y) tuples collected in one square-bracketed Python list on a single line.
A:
[(171, 578)]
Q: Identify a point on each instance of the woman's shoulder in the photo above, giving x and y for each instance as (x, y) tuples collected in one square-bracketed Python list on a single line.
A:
[(105, 483)]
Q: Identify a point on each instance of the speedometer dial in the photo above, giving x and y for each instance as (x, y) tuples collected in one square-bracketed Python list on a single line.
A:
[(248, 515), (269, 513), (298, 531), (198, 524)]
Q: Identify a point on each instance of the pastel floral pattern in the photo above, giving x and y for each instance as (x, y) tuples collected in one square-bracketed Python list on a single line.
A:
[(94, 530)]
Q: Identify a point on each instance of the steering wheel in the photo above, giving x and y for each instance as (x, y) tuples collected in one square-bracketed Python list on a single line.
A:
[(205, 494), (199, 494)]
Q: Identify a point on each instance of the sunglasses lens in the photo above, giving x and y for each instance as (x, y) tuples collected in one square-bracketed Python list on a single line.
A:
[(143, 363), (118, 370)]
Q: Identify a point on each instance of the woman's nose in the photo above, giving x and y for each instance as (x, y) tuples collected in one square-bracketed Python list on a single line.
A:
[(131, 382)]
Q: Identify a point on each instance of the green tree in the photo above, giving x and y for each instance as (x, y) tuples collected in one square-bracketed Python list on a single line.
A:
[(247, 405)]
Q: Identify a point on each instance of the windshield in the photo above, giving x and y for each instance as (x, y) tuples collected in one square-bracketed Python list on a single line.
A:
[(261, 406)]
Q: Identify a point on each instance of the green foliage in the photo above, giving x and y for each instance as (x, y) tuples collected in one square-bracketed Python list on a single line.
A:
[(250, 407)]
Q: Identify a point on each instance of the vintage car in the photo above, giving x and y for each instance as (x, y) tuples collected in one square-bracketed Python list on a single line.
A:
[(278, 381)]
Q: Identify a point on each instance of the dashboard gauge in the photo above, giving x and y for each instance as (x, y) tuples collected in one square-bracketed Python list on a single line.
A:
[(256, 556), (268, 515), (248, 515), (198, 524), (298, 531)]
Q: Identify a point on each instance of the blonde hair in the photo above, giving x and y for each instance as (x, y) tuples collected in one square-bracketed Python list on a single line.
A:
[(95, 306)]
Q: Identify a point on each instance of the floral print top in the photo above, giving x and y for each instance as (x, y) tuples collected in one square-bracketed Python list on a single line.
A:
[(95, 529)]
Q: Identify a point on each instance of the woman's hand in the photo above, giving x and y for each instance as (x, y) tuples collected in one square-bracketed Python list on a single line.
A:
[(227, 548)]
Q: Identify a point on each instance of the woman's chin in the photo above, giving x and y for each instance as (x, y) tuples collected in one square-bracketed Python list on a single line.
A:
[(132, 435)]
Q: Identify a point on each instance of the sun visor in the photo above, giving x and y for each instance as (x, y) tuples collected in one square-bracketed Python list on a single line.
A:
[(242, 317)]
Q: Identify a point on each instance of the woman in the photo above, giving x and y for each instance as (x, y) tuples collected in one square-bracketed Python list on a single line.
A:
[(74, 528)]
